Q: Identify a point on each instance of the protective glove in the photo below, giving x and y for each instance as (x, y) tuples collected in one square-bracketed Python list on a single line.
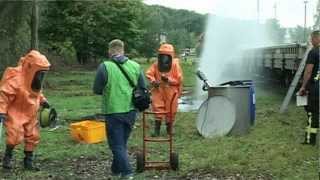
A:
[(45, 104), (155, 84), (165, 79), (2, 118)]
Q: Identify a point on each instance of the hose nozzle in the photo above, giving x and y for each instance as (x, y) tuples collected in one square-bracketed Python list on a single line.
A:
[(203, 78)]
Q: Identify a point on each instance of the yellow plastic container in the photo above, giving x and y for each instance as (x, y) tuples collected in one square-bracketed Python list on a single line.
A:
[(88, 131)]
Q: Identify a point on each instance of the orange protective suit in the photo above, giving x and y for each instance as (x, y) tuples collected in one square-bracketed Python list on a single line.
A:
[(167, 92), (20, 103)]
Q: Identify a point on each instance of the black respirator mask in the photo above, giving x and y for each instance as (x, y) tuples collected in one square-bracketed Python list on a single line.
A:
[(38, 80), (164, 62)]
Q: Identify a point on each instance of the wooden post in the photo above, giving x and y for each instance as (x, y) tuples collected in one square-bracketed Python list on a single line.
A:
[(294, 82), (34, 25)]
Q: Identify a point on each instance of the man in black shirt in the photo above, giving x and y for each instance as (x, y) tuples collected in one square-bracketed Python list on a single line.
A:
[(310, 86)]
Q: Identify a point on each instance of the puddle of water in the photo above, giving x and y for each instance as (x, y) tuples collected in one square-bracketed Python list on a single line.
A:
[(188, 103)]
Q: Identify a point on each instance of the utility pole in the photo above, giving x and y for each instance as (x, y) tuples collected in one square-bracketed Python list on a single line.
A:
[(305, 22), (275, 10), (258, 11), (34, 25)]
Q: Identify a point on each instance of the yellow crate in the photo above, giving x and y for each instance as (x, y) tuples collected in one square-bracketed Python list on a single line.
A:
[(88, 131)]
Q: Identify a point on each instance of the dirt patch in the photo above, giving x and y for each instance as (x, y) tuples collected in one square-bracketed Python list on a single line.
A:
[(69, 168), (86, 167), (98, 167), (218, 174)]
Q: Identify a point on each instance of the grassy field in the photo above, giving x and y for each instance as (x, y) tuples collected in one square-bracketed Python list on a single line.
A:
[(271, 150)]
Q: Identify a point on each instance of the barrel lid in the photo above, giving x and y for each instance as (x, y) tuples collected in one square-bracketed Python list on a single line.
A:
[(216, 117)]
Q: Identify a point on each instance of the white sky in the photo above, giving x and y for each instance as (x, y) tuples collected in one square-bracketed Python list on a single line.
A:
[(289, 12)]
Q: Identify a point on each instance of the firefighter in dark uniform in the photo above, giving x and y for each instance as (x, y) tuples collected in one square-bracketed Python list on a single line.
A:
[(310, 87)]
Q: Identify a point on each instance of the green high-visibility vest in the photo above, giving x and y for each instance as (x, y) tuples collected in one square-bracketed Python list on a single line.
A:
[(117, 94)]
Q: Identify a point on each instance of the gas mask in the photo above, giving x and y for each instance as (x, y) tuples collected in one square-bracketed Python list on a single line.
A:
[(164, 62), (38, 80)]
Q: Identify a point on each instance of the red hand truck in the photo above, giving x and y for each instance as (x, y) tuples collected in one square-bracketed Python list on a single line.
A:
[(141, 160)]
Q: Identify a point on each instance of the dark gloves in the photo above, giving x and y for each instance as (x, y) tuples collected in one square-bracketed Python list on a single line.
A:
[(2, 118), (155, 84), (45, 104), (164, 79)]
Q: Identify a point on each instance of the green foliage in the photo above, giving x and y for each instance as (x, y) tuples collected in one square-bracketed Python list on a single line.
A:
[(81, 30), (299, 34), (152, 29), (14, 31), (91, 25), (182, 39), (182, 28)]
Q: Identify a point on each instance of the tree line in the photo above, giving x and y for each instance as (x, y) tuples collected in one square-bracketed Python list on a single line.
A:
[(79, 31)]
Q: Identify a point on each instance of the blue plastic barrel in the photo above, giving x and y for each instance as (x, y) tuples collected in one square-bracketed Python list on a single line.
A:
[(252, 96), (252, 101)]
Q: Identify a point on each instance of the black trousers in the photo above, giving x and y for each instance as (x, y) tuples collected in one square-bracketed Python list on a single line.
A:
[(313, 103), (313, 107)]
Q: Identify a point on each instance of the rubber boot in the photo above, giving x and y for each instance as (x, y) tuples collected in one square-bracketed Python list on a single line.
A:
[(27, 161), (7, 159), (170, 128), (157, 126), (313, 139), (312, 136)]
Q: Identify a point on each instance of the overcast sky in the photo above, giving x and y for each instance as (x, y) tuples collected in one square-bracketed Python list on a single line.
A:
[(289, 12)]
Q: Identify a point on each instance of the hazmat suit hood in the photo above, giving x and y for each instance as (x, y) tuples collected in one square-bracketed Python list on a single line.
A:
[(165, 57), (33, 65)]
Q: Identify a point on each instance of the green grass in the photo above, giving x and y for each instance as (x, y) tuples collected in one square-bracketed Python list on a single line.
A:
[(271, 150)]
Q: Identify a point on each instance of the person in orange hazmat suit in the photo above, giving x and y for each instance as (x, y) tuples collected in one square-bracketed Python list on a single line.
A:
[(20, 99), (165, 76)]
